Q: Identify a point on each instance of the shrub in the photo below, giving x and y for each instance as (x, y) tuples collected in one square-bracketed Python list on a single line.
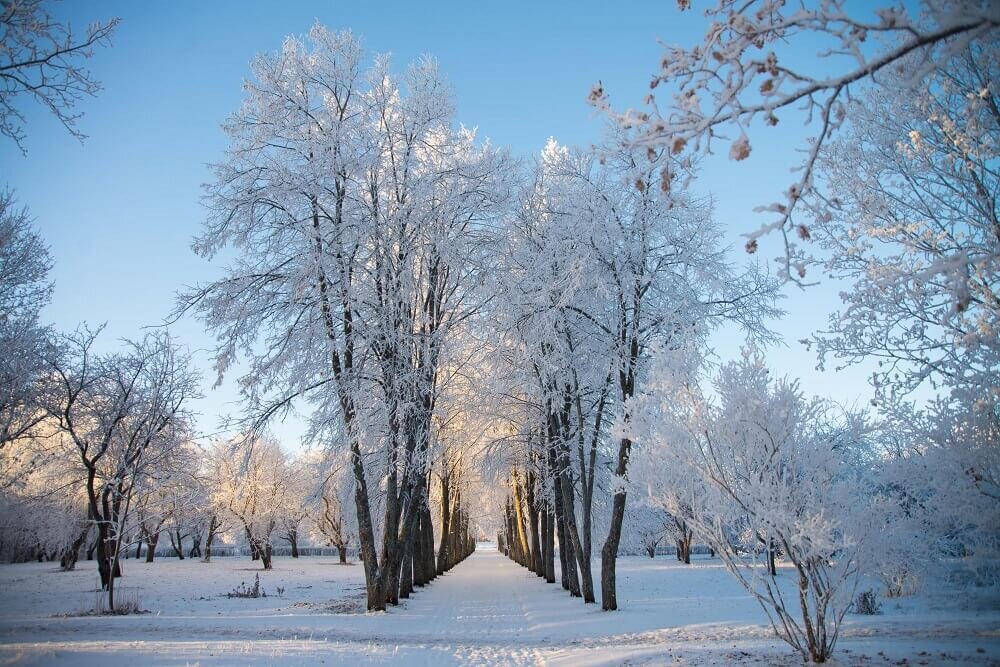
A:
[(126, 602), (867, 603), (244, 591)]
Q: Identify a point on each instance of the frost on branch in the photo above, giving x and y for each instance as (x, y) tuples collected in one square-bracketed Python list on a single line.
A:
[(913, 224), (24, 290), (737, 76), (41, 60)]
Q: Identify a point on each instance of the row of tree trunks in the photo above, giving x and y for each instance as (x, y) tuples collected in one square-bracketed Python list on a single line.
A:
[(543, 502), (419, 566), (416, 569), (533, 546), (458, 539), (559, 437)]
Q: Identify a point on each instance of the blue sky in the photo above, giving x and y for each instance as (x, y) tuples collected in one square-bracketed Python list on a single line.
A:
[(119, 211)]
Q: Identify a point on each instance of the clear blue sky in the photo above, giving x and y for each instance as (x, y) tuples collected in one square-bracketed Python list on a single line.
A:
[(119, 211)]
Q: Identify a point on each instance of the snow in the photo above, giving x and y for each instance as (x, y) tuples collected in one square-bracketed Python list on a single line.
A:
[(487, 611)]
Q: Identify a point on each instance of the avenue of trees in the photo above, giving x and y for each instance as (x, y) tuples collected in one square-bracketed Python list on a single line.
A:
[(488, 345)]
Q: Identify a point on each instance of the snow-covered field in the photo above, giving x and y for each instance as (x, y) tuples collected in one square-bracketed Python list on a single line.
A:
[(487, 611)]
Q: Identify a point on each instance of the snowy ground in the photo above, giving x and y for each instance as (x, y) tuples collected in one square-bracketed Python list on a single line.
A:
[(487, 611)]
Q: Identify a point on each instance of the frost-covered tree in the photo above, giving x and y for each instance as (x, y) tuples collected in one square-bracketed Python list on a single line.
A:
[(558, 379), (44, 504), (330, 503), (296, 504), (767, 460), (215, 514), (609, 258), (960, 459), (24, 290), (641, 264), (647, 524), (121, 414), (357, 212), (42, 60), (742, 74), (253, 486), (185, 496), (911, 189), (937, 491), (914, 226), (669, 494)]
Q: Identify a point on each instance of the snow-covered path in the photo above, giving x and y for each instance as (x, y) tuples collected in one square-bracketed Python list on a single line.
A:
[(486, 611)]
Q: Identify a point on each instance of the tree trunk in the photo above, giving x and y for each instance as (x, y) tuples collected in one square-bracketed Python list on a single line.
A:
[(406, 573), (550, 547), (572, 572), (103, 558), (560, 531), (567, 557), (254, 550), (342, 552), (405, 542), (265, 555), (366, 531), (213, 527), (543, 536), (195, 546), (522, 538), (293, 540), (535, 542), (442, 559), (151, 540), (427, 524), (111, 592), (609, 554), (420, 575), (177, 543), (569, 513), (69, 557)]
